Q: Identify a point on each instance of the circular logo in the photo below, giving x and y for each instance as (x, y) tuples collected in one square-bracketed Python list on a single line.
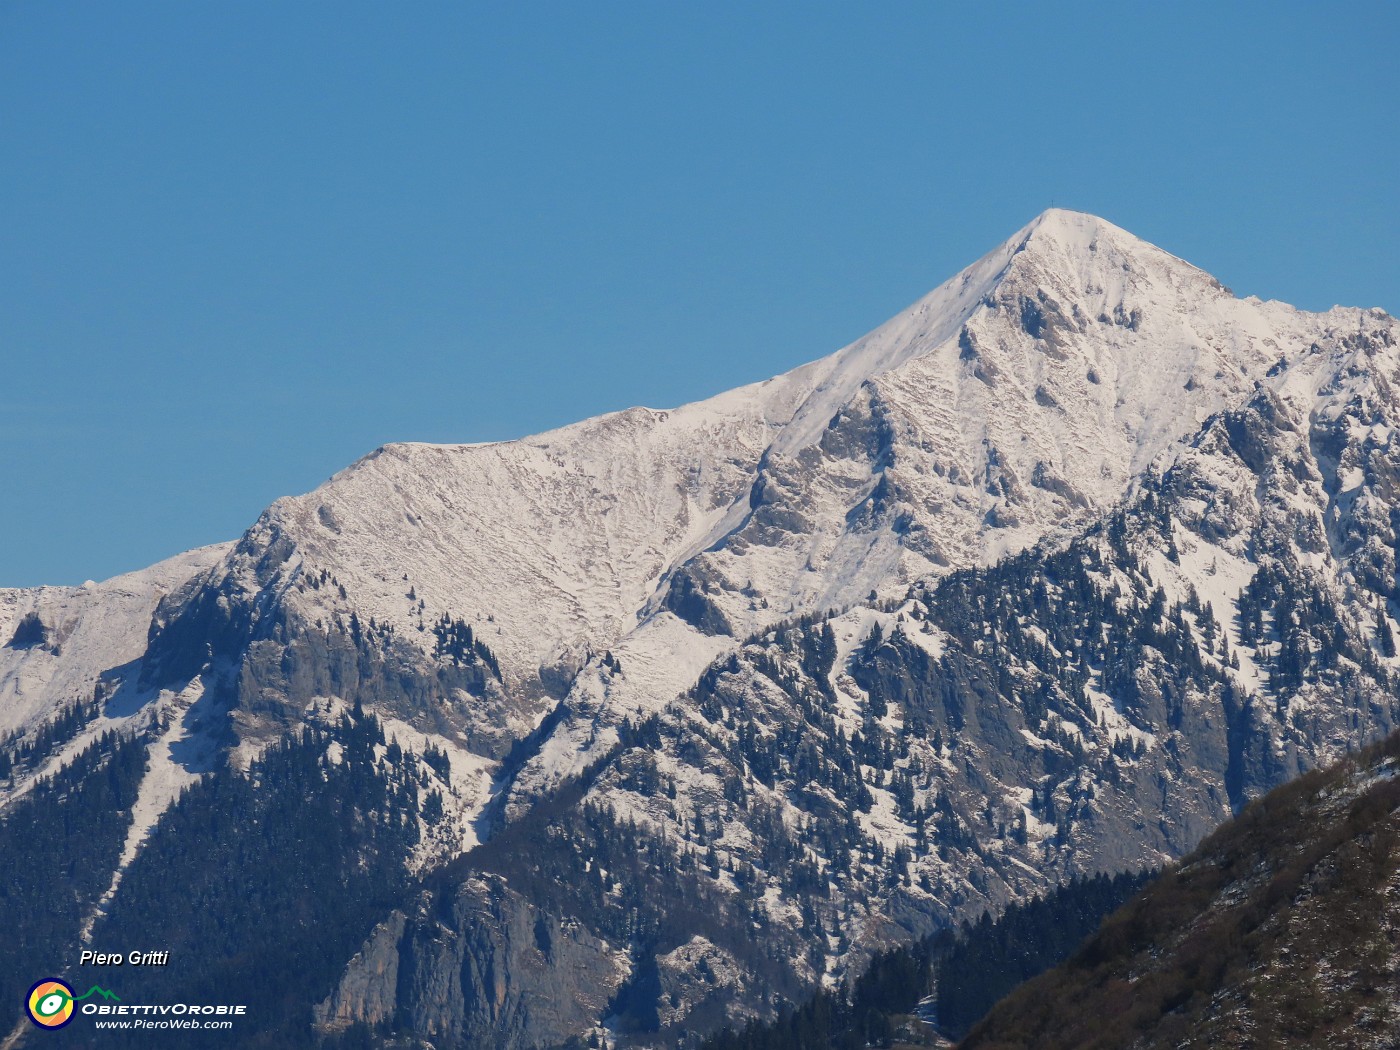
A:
[(50, 1003)]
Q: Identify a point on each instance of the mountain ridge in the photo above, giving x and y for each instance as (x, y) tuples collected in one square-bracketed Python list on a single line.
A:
[(822, 650)]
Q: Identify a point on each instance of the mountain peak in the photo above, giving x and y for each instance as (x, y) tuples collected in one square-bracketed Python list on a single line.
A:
[(1063, 235), (1053, 220), (1012, 400)]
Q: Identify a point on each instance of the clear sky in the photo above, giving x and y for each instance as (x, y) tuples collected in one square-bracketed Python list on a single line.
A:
[(243, 244)]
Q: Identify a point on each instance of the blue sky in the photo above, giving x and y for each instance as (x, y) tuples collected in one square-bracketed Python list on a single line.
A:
[(243, 244)]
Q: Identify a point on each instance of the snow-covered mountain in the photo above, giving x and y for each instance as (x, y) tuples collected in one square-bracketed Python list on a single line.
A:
[(62, 638), (1018, 398), (1015, 399), (847, 654)]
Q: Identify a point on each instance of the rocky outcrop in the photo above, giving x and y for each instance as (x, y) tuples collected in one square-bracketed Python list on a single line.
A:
[(246, 629), (368, 991), (489, 969)]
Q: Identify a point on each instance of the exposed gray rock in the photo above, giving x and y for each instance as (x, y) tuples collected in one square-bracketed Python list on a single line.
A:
[(687, 598), (368, 991), (491, 970)]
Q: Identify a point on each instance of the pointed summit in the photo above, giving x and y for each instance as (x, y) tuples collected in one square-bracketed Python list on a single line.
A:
[(1060, 222), (1082, 253), (1062, 262), (1074, 230)]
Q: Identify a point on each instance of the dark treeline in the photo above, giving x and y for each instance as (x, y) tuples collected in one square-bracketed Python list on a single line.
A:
[(58, 846), (965, 974), (993, 956), (19, 752), (261, 885), (891, 986)]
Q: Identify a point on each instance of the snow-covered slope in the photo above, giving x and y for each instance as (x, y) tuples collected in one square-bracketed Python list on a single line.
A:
[(1097, 706), (1016, 401), (1017, 398), (68, 637), (1073, 356)]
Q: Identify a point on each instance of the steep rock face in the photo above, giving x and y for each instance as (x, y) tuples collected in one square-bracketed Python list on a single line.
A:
[(247, 623), (884, 786), (1017, 402), (491, 970), (1013, 402), (368, 993)]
